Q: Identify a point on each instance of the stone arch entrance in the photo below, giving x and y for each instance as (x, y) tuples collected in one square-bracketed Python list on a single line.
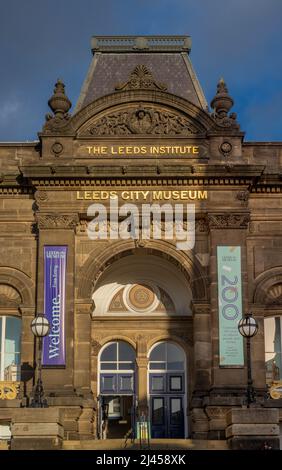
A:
[(98, 262), (139, 284), (143, 298)]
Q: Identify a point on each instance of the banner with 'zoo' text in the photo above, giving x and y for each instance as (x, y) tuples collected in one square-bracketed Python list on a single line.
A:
[(229, 305)]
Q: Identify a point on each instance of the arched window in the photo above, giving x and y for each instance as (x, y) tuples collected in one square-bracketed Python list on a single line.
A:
[(273, 348), (118, 356), (166, 357), (10, 348)]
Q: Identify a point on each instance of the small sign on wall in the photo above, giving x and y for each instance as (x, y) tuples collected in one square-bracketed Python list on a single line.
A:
[(231, 351)]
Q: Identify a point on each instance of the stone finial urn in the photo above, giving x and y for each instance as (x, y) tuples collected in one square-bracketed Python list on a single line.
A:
[(59, 102), (222, 102)]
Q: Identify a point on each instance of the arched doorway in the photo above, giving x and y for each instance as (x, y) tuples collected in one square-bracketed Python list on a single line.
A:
[(117, 370), (167, 380)]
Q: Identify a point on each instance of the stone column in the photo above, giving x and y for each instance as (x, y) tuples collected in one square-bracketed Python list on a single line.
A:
[(82, 347), (258, 352), (228, 384), (142, 378), (227, 229), (202, 364), (202, 346), (58, 229), (27, 350)]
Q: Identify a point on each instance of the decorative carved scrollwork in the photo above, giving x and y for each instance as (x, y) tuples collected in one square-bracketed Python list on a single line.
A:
[(222, 221), (9, 390), (143, 121), (9, 296), (95, 347), (275, 390), (141, 78), (60, 221), (274, 294)]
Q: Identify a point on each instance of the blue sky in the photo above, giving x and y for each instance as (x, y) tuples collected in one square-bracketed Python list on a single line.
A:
[(41, 40)]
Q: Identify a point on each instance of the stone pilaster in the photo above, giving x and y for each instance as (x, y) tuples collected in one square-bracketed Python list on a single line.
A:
[(82, 347), (58, 229), (202, 346), (227, 229), (27, 350), (142, 367), (258, 351)]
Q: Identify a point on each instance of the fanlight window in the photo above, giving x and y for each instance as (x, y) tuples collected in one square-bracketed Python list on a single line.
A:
[(117, 356), (166, 357), (273, 348), (10, 348)]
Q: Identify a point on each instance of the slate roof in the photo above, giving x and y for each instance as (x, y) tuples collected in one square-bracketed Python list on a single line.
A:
[(167, 58)]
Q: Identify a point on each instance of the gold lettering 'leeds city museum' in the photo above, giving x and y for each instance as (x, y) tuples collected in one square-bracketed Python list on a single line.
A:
[(143, 195)]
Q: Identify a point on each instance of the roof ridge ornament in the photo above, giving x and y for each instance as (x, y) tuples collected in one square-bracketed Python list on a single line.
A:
[(141, 78), (59, 104), (221, 104)]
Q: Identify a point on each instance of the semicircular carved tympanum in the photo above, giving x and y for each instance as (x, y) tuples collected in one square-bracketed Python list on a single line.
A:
[(142, 120), (9, 297), (274, 295), (141, 298)]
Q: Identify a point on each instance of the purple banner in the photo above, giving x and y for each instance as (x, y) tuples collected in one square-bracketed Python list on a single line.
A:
[(55, 261)]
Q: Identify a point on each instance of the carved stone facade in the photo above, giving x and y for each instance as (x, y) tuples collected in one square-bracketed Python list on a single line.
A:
[(143, 120), (141, 78), (141, 133)]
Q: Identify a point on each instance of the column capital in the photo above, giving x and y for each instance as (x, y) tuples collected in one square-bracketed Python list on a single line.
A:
[(227, 220), (142, 362), (56, 221), (202, 308), (85, 307)]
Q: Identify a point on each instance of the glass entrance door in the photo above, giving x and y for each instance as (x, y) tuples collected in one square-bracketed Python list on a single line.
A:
[(167, 417), (167, 391), (117, 390)]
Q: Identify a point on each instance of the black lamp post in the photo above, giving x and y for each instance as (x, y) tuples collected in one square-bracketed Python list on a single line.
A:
[(40, 328), (248, 328)]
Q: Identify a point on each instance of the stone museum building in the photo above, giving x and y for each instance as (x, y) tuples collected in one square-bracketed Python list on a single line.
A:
[(141, 328)]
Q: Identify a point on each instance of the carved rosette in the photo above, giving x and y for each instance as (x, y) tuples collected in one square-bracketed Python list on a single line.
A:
[(224, 220), (57, 221), (41, 196), (243, 195)]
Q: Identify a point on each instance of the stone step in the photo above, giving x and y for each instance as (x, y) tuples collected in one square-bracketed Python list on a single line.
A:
[(158, 444)]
